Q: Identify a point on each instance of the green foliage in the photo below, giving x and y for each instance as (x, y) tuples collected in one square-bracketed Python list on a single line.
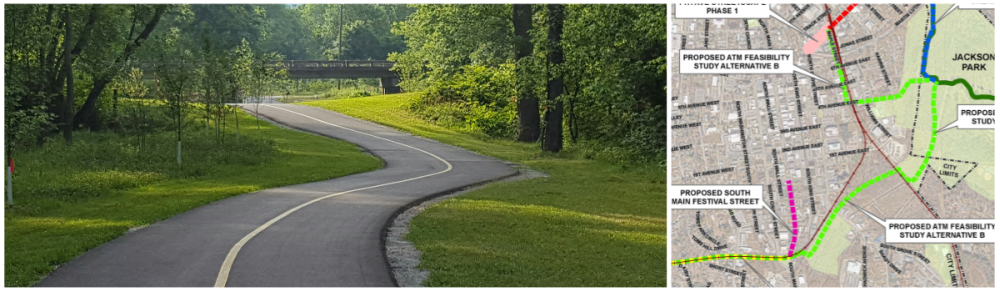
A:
[(616, 78), (202, 41), (562, 230), (478, 99), (614, 71), (255, 73), (328, 88), (361, 94), (443, 38), (226, 25), (23, 125), (365, 34), (104, 36), (131, 85), (286, 33), (124, 165), (320, 86), (70, 199)]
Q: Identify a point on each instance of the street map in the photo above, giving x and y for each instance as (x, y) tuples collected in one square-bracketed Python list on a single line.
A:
[(832, 145)]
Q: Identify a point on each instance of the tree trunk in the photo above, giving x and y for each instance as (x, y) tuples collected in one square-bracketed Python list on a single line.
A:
[(528, 119), (553, 120), (223, 114), (574, 126), (88, 106), (237, 116), (340, 40), (180, 117), (69, 101), (114, 109)]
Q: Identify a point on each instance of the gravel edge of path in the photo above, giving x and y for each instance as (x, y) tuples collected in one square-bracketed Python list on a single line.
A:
[(403, 256)]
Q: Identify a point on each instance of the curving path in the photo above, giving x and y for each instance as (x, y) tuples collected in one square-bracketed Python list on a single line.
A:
[(326, 233)]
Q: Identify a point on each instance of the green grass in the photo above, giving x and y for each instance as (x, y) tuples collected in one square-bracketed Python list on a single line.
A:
[(348, 90), (70, 199), (299, 98), (590, 223)]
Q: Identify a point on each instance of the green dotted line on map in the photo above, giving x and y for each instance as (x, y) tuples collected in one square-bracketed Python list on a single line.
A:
[(833, 215)]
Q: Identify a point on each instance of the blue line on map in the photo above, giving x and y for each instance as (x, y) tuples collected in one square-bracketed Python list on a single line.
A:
[(927, 46)]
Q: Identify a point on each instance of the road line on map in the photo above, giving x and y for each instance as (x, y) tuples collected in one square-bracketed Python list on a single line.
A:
[(928, 78), (865, 133), (762, 279)]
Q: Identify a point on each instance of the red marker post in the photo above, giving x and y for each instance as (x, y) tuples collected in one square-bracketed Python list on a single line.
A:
[(10, 190)]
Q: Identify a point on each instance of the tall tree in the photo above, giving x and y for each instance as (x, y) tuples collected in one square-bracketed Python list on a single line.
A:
[(553, 117), (68, 104), (443, 38), (174, 65), (613, 72), (367, 29), (286, 33), (40, 51), (101, 79), (527, 104)]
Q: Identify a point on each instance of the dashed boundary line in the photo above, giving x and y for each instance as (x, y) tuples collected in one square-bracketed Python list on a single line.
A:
[(974, 165)]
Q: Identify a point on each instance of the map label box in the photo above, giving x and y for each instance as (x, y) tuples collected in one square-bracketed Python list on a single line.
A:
[(740, 62), (940, 231), (722, 10), (974, 116), (715, 196)]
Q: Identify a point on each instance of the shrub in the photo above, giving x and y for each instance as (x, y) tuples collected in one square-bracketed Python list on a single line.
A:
[(361, 94), (100, 161), (479, 99)]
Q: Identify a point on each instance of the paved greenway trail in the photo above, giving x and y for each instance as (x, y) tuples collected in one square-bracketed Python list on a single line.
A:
[(325, 233)]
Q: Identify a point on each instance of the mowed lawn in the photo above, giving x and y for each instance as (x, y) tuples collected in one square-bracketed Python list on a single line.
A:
[(590, 223), (70, 199)]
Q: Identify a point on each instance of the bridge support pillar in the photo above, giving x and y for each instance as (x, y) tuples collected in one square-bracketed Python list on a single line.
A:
[(389, 85)]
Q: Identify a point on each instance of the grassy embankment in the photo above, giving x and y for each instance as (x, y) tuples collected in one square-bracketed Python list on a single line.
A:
[(589, 224), (70, 199)]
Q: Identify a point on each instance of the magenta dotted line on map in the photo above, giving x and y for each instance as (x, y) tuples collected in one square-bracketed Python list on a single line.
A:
[(795, 222)]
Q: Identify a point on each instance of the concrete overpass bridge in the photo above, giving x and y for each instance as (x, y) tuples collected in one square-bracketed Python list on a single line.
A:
[(299, 69), (338, 69), (309, 69)]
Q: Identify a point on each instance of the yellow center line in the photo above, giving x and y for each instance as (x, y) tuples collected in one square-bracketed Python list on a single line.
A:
[(227, 264)]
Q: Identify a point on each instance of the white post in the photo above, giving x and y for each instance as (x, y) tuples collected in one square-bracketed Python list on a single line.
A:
[(10, 188), (178, 153)]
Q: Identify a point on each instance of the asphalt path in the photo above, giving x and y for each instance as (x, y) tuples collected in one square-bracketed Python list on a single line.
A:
[(326, 233)]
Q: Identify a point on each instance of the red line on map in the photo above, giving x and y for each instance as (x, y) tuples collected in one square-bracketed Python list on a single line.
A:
[(820, 37), (865, 133), (841, 17), (857, 118), (831, 26)]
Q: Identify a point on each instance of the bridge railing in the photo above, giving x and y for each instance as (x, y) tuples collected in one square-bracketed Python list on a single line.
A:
[(335, 64), (293, 64)]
